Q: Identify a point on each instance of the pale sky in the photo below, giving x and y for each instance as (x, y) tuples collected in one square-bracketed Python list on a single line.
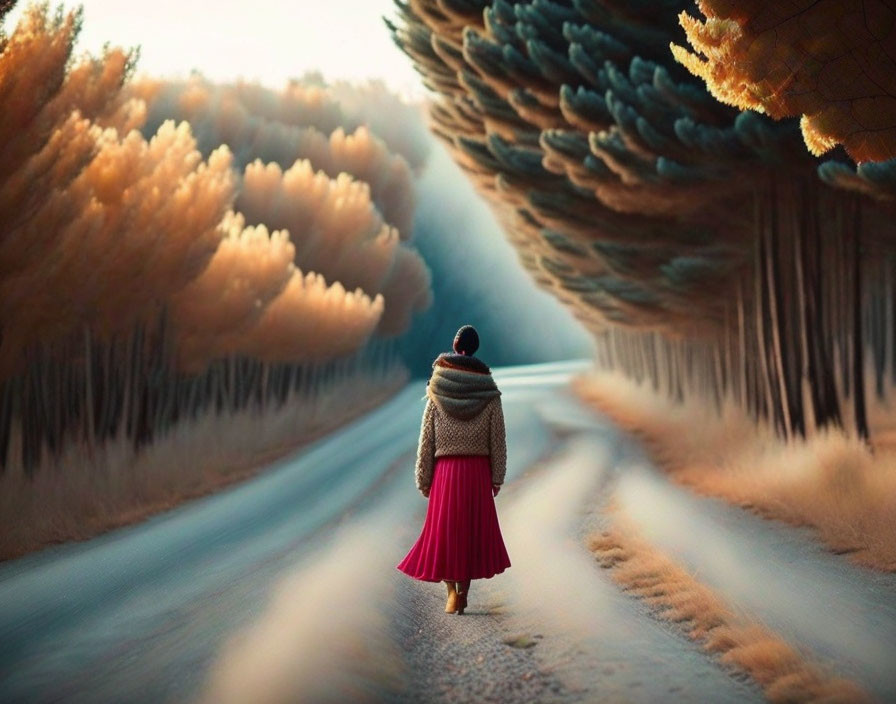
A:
[(265, 40)]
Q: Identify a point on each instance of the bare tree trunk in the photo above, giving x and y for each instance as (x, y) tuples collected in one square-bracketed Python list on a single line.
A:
[(761, 304), (776, 313), (858, 358)]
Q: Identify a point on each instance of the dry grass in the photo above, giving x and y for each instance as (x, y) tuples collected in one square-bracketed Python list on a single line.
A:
[(782, 672), (832, 481), (80, 496)]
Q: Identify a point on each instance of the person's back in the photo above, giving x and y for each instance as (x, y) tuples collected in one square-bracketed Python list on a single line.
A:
[(463, 416), (461, 460), (479, 435)]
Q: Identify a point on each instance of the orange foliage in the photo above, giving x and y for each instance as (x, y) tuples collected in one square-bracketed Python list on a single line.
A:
[(299, 122), (830, 62), (100, 227)]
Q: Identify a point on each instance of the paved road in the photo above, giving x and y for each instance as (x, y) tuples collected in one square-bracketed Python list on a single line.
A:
[(285, 589)]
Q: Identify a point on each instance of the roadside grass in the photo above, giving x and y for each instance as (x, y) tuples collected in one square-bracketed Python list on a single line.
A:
[(831, 481), (82, 494), (783, 673)]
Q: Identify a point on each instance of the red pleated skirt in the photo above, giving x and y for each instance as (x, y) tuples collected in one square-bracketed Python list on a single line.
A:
[(461, 538)]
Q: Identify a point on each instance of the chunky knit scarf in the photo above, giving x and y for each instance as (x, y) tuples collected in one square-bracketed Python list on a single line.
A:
[(464, 361), (459, 392)]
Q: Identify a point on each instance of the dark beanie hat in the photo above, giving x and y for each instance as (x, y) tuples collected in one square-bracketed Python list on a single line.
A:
[(466, 341)]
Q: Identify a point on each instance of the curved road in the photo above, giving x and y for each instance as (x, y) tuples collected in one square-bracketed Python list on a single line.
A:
[(284, 588)]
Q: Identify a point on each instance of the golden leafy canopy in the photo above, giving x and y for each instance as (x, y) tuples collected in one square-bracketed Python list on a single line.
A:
[(125, 203), (831, 62)]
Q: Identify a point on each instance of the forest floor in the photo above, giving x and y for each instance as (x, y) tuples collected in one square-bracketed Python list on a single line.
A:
[(285, 589)]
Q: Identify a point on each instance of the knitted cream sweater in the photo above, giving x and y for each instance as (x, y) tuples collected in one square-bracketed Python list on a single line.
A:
[(443, 434)]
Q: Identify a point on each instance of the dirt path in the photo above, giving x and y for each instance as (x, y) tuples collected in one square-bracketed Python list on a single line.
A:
[(285, 589), (552, 628), (556, 628)]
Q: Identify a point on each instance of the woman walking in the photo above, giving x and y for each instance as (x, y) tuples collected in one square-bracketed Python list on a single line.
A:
[(461, 460)]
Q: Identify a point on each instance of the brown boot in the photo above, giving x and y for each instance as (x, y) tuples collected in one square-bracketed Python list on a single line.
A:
[(463, 589), (451, 604)]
